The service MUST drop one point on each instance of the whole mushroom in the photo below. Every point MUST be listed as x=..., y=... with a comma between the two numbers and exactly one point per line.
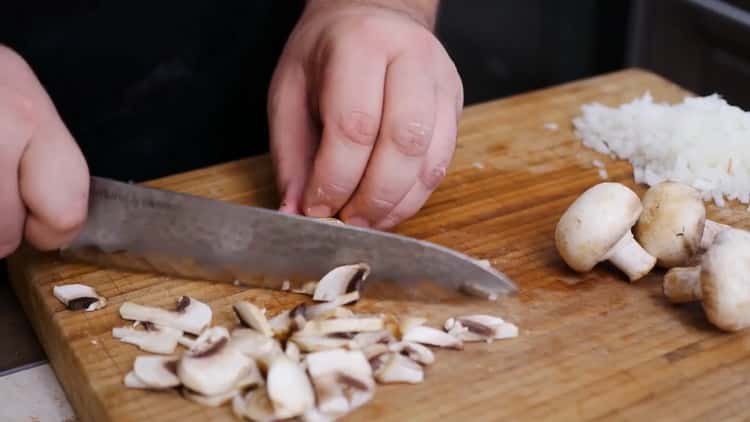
x=721, y=282
x=673, y=225
x=596, y=227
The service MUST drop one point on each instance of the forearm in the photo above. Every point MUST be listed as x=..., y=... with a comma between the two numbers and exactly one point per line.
x=423, y=11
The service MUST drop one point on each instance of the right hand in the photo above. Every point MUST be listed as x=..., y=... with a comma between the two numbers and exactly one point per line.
x=44, y=179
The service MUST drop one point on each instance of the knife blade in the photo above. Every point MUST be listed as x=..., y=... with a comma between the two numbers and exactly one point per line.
x=134, y=227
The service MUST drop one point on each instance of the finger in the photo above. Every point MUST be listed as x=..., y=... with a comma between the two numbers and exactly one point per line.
x=292, y=134
x=16, y=123
x=350, y=107
x=434, y=168
x=405, y=134
x=54, y=183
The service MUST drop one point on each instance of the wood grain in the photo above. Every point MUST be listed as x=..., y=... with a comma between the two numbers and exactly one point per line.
x=592, y=346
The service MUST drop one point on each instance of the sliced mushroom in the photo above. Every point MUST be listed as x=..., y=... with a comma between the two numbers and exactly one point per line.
x=79, y=297
x=414, y=351
x=343, y=380
x=153, y=338
x=255, y=345
x=210, y=401
x=214, y=367
x=292, y=351
x=433, y=337
x=354, y=324
x=398, y=368
x=255, y=405
x=253, y=317
x=331, y=309
x=374, y=350
x=316, y=343
x=156, y=372
x=289, y=388
x=315, y=415
x=281, y=324
x=341, y=280
x=132, y=381
x=480, y=328
x=408, y=323
x=190, y=316
x=369, y=338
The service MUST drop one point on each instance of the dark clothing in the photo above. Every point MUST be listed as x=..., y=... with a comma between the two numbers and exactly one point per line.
x=153, y=88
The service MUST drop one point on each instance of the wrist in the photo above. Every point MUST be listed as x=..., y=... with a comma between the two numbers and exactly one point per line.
x=422, y=11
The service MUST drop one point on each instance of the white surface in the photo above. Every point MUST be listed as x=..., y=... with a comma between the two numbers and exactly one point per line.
x=34, y=395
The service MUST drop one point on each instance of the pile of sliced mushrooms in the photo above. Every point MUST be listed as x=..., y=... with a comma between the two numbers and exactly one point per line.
x=318, y=361
x=705, y=260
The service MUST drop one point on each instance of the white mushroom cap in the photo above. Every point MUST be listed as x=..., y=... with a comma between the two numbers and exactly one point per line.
x=596, y=227
x=79, y=297
x=683, y=284
x=725, y=280
x=671, y=225
x=341, y=280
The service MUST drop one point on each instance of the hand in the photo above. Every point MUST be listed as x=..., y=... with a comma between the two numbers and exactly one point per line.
x=43, y=175
x=363, y=112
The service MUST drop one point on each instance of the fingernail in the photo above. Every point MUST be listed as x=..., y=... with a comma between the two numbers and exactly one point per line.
x=358, y=221
x=319, y=211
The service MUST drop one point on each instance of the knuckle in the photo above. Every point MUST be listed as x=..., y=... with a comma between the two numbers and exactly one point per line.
x=330, y=192
x=412, y=139
x=358, y=127
x=378, y=205
x=432, y=176
x=69, y=219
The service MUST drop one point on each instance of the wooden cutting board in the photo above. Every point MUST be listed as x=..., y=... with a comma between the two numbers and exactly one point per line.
x=591, y=346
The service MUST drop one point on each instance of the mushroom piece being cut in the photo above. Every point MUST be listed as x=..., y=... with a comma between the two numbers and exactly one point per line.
x=596, y=227
x=213, y=367
x=190, y=315
x=341, y=280
x=673, y=226
x=153, y=338
x=289, y=388
x=725, y=281
x=157, y=372
x=398, y=368
x=78, y=297
x=480, y=328
x=253, y=317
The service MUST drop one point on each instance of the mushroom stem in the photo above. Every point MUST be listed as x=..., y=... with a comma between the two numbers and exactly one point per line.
x=710, y=230
x=631, y=258
x=683, y=284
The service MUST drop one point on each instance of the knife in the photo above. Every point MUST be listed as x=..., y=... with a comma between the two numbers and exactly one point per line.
x=133, y=227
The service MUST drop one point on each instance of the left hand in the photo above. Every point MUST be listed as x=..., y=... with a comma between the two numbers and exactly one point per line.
x=363, y=111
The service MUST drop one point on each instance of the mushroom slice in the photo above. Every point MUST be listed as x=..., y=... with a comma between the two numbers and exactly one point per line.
x=211, y=401
x=78, y=297
x=281, y=325
x=683, y=284
x=156, y=372
x=315, y=343
x=253, y=317
x=255, y=405
x=414, y=351
x=190, y=316
x=292, y=351
x=398, y=368
x=154, y=338
x=369, y=338
x=315, y=415
x=213, y=367
x=374, y=350
x=354, y=324
x=132, y=381
x=341, y=280
x=408, y=323
x=480, y=328
x=433, y=337
x=342, y=378
x=289, y=388
x=331, y=309
x=255, y=345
